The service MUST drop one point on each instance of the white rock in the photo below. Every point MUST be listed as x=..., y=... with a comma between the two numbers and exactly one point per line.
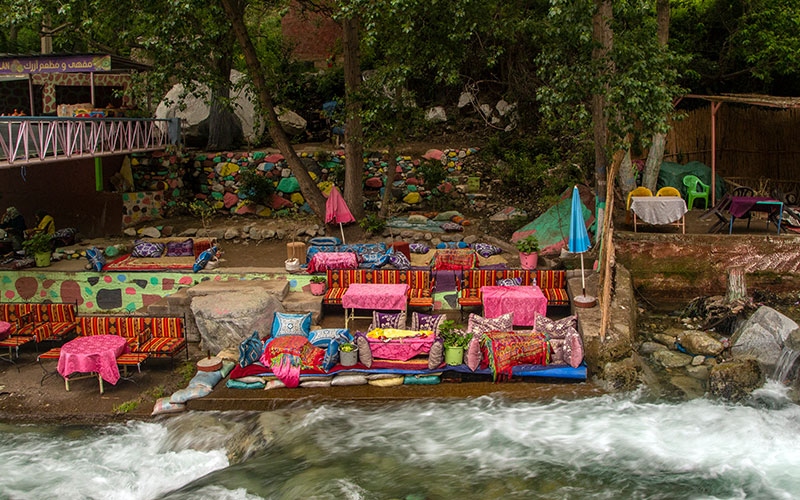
x=465, y=99
x=486, y=109
x=291, y=122
x=698, y=360
x=503, y=107
x=129, y=231
x=436, y=115
x=231, y=233
x=189, y=231
x=150, y=232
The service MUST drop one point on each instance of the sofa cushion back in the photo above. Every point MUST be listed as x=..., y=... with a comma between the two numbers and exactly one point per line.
x=130, y=327
x=96, y=325
x=551, y=279
x=342, y=278
x=54, y=313
x=419, y=280
x=165, y=327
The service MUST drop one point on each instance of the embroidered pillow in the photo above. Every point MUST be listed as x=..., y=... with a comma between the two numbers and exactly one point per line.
x=573, y=348
x=427, y=322
x=203, y=259
x=96, y=259
x=510, y=282
x=419, y=248
x=329, y=339
x=557, y=348
x=474, y=354
x=388, y=320
x=399, y=260
x=479, y=324
x=180, y=248
x=486, y=249
x=556, y=329
x=436, y=355
x=324, y=241
x=364, y=351
x=291, y=324
x=147, y=249
x=250, y=350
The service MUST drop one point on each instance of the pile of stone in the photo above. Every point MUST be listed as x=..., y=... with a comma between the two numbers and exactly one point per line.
x=159, y=171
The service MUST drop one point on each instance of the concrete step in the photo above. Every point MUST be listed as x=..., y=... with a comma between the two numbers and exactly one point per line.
x=277, y=287
x=180, y=298
x=304, y=302
x=159, y=308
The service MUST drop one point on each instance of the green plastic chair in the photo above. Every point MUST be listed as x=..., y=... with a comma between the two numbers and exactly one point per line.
x=695, y=189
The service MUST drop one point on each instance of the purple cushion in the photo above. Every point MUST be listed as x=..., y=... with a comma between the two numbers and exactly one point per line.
x=479, y=324
x=510, y=282
x=147, y=249
x=399, y=260
x=419, y=248
x=427, y=321
x=474, y=353
x=388, y=320
x=180, y=248
x=486, y=249
x=556, y=329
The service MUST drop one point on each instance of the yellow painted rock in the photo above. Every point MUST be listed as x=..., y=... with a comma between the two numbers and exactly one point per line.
x=266, y=212
x=297, y=198
x=412, y=198
x=228, y=169
x=313, y=176
x=325, y=187
x=219, y=205
x=134, y=161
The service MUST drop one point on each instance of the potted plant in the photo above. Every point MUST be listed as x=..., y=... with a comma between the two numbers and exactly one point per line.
x=348, y=354
x=317, y=285
x=528, y=252
x=39, y=247
x=455, y=341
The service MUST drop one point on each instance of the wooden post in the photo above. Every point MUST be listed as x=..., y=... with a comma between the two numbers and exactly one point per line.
x=714, y=108
x=737, y=288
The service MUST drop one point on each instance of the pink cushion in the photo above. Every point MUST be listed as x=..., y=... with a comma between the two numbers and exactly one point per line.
x=573, y=343
x=479, y=324
x=474, y=352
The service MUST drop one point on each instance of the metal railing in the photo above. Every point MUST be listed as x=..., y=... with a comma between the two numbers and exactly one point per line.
x=29, y=140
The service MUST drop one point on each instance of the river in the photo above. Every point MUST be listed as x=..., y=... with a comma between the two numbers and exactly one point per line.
x=610, y=446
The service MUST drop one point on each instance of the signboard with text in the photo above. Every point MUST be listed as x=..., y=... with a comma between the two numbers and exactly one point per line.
x=55, y=64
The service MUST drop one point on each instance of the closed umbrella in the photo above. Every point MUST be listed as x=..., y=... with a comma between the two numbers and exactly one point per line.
x=579, y=243
x=336, y=210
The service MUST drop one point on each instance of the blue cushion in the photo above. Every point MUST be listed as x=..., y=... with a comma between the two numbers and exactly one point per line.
x=452, y=244
x=330, y=339
x=96, y=259
x=324, y=240
x=291, y=324
x=203, y=259
x=250, y=350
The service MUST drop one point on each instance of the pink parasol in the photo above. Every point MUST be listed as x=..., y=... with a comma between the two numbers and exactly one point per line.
x=336, y=210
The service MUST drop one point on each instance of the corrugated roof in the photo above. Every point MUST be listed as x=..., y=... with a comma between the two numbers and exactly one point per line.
x=752, y=99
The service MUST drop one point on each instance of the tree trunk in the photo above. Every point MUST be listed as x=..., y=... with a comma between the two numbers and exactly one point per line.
x=46, y=38
x=387, y=187
x=224, y=130
x=353, y=134
x=737, y=288
x=13, y=35
x=603, y=36
x=656, y=153
x=627, y=179
x=310, y=191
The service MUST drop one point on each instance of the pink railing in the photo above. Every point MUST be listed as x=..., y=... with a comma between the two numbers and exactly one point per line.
x=26, y=140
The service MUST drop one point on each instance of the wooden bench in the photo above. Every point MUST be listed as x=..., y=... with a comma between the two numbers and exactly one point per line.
x=552, y=283
x=420, y=284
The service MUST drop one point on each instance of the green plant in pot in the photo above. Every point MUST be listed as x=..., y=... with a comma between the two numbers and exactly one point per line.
x=455, y=341
x=528, y=252
x=39, y=246
x=317, y=285
x=348, y=354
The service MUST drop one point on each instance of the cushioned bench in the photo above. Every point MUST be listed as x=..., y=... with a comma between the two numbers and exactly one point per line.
x=37, y=322
x=552, y=283
x=164, y=335
x=420, y=284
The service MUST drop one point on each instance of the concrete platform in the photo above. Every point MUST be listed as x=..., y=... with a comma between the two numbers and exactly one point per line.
x=224, y=399
x=277, y=287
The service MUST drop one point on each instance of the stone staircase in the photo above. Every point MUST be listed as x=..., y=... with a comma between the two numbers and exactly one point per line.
x=180, y=302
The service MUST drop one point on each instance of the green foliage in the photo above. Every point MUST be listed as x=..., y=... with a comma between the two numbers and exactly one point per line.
x=185, y=371
x=528, y=245
x=38, y=243
x=157, y=392
x=318, y=279
x=201, y=209
x=434, y=173
x=256, y=187
x=372, y=224
x=347, y=347
x=126, y=407
x=452, y=335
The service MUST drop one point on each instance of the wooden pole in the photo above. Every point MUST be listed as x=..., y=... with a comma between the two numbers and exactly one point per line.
x=714, y=108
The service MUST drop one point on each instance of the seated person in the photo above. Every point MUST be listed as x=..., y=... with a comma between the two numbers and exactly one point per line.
x=14, y=225
x=44, y=224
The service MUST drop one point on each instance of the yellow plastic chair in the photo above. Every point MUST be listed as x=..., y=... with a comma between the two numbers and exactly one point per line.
x=668, y=191
x=639, y=191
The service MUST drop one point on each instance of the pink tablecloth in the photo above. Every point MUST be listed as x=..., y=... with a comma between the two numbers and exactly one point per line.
x=369, y=296
x=400, y=349
x=97, y=353
x=523, y=301
x=323, y=261
x=5, y=330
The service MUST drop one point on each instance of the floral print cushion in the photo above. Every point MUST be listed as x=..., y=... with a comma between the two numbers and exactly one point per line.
x=479, y=324
x=556, y=329
x=180, y=248
x=486, y=249
x=147, y=249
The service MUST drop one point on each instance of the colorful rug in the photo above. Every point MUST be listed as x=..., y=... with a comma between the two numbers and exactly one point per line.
x=507, y=349
x=128, y=263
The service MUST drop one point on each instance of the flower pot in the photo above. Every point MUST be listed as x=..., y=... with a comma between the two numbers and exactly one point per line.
x=348, y=358
x=42, y=259
x=528, y=260
x=454, y=356
x=317, y=288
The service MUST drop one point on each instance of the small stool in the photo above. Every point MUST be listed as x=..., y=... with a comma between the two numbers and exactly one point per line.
x=296, y=250
x=402, y=247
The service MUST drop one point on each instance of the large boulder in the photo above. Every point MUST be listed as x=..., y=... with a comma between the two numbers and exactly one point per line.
x=697, y=342
x=225, y=319
x=735, y=380
x=762, y=337
x=291, y=122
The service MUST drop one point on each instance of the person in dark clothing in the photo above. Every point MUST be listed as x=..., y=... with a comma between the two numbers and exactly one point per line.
x=14, y=225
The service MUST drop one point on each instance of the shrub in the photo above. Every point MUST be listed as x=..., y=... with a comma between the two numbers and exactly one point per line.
x=256, y=187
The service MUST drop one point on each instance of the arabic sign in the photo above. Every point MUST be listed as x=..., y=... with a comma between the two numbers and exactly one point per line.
x=55, y=64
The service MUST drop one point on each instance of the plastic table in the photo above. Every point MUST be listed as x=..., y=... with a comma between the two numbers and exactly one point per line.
x=659, y=210
x=743, y=205
x=95, y=355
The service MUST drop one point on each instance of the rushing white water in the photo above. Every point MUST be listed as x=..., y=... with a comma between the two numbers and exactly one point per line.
x=602, y=447
x=785, y=363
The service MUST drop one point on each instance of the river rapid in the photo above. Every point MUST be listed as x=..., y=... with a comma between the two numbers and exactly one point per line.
x=611, y=446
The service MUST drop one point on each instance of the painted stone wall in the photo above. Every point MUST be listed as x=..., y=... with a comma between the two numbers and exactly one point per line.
x=141, y=207
x=98, y=293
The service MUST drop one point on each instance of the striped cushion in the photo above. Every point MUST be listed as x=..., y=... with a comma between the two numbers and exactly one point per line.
x=15, y=341
x=58, y=313
x=50, y=331
x=163, y=346
x=556, y=296
x=131, y=358
x=334, y=295
x=130, y=327
x=417, y=297
x=95, y=325
x=551, y=279
x=165, y=327
x=54, y=353
x=470, y=297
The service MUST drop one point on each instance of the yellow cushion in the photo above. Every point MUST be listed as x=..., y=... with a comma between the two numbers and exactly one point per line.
x=387, y=382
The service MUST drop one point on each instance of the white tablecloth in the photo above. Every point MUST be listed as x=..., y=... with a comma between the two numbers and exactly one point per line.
x=658, y=209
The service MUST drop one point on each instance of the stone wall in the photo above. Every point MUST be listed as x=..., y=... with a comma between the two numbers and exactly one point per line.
x=671, y=269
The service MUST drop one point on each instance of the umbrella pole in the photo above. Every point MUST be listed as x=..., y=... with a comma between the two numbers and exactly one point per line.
x=583, y=280
x=341, y=228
